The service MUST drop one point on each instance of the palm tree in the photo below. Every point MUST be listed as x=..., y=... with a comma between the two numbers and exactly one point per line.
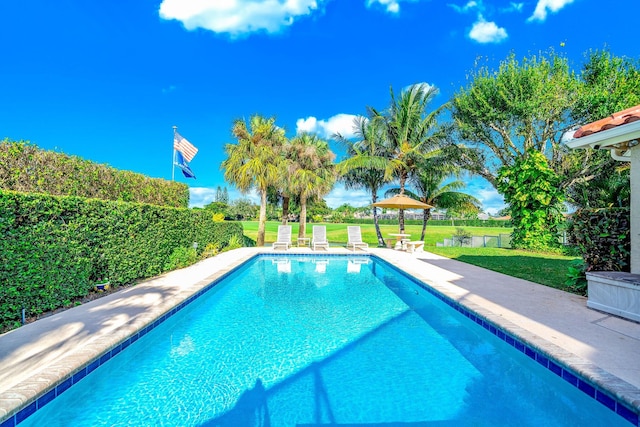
x=311, y=172
x=410, y=133
x=432, y=189
x=255, y=161
x=367, y=163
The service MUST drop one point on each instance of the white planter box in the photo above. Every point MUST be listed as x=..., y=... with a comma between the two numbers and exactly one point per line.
x=615, y=292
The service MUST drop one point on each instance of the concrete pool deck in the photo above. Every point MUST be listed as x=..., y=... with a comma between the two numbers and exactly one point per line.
x=602, y=347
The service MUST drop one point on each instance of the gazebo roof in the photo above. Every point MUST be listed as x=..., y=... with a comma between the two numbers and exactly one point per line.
x=618, y=133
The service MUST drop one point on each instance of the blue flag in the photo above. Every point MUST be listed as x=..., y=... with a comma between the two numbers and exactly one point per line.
x=184, y=166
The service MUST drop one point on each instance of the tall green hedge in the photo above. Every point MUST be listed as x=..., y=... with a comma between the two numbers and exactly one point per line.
x=25, y=167
x=603, y=238
x=55, y=248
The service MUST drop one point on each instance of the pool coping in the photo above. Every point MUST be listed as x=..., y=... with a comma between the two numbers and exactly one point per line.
x=24, y=398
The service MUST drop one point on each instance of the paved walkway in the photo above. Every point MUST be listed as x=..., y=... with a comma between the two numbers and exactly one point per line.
x=602, y=347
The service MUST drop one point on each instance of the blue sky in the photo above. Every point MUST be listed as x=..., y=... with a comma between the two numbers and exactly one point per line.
x=106, y=81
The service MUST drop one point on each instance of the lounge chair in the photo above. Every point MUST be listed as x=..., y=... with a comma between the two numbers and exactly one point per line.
x=353, y=265
x=321, y=265
x=283, y=265
x=354, y=236
x=319, y=239
x=284, y=237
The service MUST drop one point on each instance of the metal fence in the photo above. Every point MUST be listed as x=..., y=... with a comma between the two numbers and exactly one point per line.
x=499, y=241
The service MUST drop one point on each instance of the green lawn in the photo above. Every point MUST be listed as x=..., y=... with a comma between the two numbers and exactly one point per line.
x=546, y=269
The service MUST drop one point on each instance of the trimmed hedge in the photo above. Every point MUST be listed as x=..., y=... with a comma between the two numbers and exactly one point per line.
x=603, y=238
x=435, y=222
x=25, y=167
x=56, y=248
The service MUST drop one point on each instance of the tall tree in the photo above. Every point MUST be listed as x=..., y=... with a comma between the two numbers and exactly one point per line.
x=512, y=113
x=410, y=132
x=311, y=171
x=366, y=162
x=521, y=106
x=256, y=161
x=608, y=84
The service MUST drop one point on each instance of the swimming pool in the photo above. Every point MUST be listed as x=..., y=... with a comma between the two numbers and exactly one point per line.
x=287, y=340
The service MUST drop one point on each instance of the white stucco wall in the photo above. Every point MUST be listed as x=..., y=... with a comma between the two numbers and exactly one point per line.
x=635, y=209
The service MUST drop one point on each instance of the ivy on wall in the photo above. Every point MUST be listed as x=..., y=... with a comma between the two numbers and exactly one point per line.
x=603, y=237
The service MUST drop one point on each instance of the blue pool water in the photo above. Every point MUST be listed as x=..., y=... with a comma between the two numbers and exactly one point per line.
x=303, y=341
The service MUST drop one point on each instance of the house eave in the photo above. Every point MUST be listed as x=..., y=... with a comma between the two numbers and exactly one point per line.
x=618, y=139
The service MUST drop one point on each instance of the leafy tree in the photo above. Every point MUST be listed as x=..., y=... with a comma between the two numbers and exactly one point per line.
x=505, y=115
x=366, y=162
x=243, y=209
x=255, y=161
x=222, y=195
x=531, y=188
x=520, y=107
x=218, y=208
x=311, y=172
x=609, y=187
x=608, y=84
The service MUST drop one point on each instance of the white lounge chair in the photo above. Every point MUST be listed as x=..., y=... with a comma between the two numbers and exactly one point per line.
x=353, y=265
x=354, y=238
x=321, y=265
x=283, y=265
x=284, y=237
x=319, y=239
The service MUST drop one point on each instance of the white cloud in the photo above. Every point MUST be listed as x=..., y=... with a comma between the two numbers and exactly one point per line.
x=487, y=32
x=513, y=7
x=391, y=6
x=339, y=196
x=201, y=196
x=491, y=200
x=544, y=6
x=425, y=87
x=471, y=5
x=340, y=123
x=237, y=17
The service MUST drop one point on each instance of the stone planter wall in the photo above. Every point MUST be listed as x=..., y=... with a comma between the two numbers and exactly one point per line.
x=615, y=292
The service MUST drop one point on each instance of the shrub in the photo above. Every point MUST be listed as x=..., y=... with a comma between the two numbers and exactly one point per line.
x=576, y=278
x=26, y=168
x=181, y=257
x=54, y=249
x=602, y=236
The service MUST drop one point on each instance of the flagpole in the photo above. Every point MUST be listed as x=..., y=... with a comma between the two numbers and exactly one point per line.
x=173, y=160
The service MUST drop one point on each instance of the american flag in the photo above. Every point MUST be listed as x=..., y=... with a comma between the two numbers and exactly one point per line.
x=187, y=149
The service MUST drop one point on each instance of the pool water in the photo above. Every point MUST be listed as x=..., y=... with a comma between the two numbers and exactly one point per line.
x=290, y=341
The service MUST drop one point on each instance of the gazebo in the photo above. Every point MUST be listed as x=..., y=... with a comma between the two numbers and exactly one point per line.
x=616, y=292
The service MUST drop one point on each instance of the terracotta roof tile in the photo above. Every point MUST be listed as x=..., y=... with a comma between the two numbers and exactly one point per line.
x=616, y=119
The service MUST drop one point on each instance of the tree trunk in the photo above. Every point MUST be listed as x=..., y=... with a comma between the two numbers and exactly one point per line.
x=403, y=179
x=303, y=216
x=263, y=217
x=426, y=215
x=285, y=210
x=374, y=198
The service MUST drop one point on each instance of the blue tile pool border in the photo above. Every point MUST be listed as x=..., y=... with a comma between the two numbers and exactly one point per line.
x=43, y=399
x=601, y=395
